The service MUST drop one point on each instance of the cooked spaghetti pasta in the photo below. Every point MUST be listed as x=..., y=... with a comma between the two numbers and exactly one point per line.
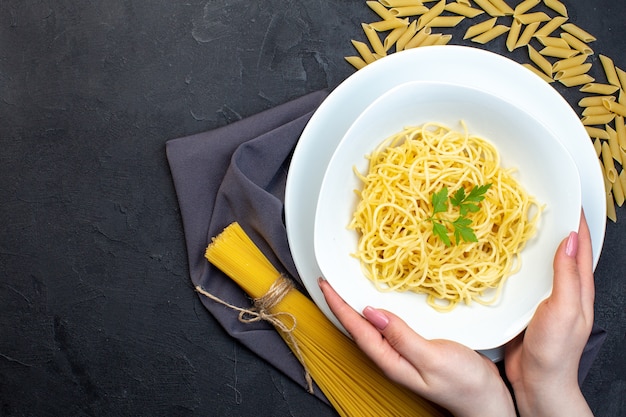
x=398, y=249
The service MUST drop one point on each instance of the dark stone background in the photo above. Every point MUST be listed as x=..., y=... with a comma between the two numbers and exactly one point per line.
x=97, y=312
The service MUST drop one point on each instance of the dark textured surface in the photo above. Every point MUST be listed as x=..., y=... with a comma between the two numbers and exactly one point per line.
x=97, y=312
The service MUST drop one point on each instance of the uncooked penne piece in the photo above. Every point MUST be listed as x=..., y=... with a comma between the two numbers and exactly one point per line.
x=491, y=34
x=464, y=2
x=614, y=144
x=445, y=21
x=576, y=80
x=609, y=165
x=622, y=179
x=578, y=32
x=380, y=10
x=527, y=34
x=513, y=35
x=463, y=10
x=551, y=26
x=418, y=39
x=525, y=6
x=621, y=76
x=592, y=101
x=569, y=62
x=410, y=31
x=553, y=41
x=400, y=3
x=599, y=119
x=434, y=11
x=555, y=52
x=618, y=192
x=436, y=39
x=609, y=70
x=356, y=61
x=408, y=11
x=374, y=39
x=529, y=18
x=595, y=110
x=614, y=107
x=478, y=28
x=538, y=72
x=503, y=7
x=389, y=24
x=599, y=88
x=540, y=61
x=597, y=146
x=557, y=6
x=620, y=130
x=576, y=43
x=596, y=132
x=393, y=37
x=364, y=51
x=489, y=7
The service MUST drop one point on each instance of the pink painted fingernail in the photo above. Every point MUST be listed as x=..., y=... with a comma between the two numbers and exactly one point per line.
x=571, y=247
x=376, y=317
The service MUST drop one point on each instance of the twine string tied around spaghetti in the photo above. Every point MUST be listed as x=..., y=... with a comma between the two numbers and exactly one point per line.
x=261, y=311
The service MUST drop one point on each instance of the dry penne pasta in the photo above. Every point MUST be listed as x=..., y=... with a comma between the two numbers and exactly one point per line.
x=550, y=26
x=594, y=110
x=389, y=24
x=610, y=202
x=599, y=88
x=569, y=62
x=621, y=76
x=464, y=2
x=400, y=3
x=503, y=7
x=364, y=51
x=436, y=39
x=553, y=41
x=598, y=119
x=410, y=31
x=445, y=21
x=489, y=8
x=393, y=37
x=491, y=34
x=615, y=107
x=596, y=132
x=622, y=179
x=572, y=71
x=609, y=70
x=578, y=32
x=620, y=130
x=609, y=165
x=597, y=146
x=356, y=61
x=478, y=28
x=380, y=10
x=618, y=192
x=513, y=35
x=525, y=6
x=557, y=6
x=556, y=52
x=614, y=144
x=576, y=80
x=540, y=61
x=463, y=9
x=418, y=39
x=408, y=11
x=434, y=11
x=592, y=101
x=576, y=43
x=529, y=18
x=527, y=34
x=539, y=73
x=374, y=39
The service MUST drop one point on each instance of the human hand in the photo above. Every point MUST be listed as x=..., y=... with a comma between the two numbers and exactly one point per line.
x=445, y=372
x=542, y=363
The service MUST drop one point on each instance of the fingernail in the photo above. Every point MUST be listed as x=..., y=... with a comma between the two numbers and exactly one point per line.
x=571, y=248
x=376, y=317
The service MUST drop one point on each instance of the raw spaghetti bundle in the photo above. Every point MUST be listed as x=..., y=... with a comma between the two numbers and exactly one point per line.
x=398, y=247
x=351, y=382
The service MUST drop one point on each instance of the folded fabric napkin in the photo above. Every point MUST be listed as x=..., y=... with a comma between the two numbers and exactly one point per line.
x=238, y=173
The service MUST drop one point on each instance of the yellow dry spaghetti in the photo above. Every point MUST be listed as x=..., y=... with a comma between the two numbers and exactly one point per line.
x=397, y=248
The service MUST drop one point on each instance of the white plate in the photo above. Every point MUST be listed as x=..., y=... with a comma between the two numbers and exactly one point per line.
x=467, y=66
x=543, y=167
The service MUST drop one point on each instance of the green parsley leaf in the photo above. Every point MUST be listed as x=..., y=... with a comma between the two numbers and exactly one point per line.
x=440, y=201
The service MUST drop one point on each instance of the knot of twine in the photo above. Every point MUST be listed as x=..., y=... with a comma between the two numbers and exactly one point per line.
x=261, y=311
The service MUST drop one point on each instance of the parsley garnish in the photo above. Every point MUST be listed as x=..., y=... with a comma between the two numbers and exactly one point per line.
x=466, y=203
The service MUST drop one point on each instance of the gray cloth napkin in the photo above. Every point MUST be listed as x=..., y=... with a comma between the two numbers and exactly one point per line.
x=238, y=173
